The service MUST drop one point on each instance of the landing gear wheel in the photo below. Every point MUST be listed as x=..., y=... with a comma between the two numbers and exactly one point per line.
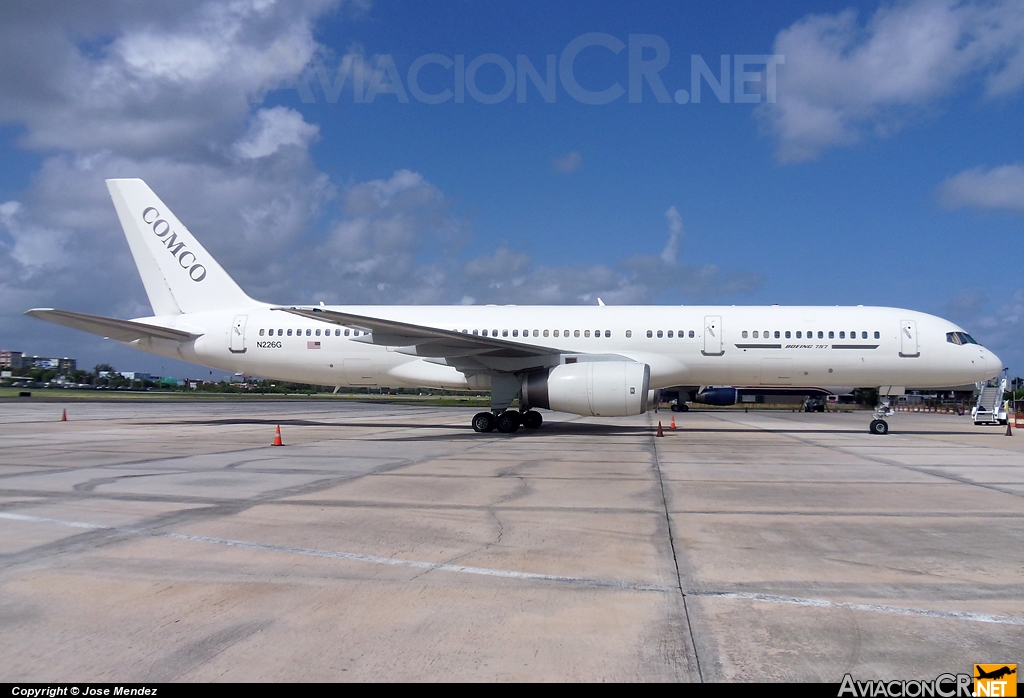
x=483, y=421
x=532, y=419
x=879, y=426
x=508, y=422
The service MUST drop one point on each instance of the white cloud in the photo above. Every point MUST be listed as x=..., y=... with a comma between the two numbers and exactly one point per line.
x=143, y=78
x=670, y=255
x=998, y=188
x=842, y=80
x=568, y=163
x=273, y=129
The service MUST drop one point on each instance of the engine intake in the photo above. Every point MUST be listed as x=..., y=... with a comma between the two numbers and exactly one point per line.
x=590, y=388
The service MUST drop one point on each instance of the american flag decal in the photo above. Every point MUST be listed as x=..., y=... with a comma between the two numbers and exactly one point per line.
x=312, y=345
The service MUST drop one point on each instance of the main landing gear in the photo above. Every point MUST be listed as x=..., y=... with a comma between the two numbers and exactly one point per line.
x=878, y=424
x=506, y=421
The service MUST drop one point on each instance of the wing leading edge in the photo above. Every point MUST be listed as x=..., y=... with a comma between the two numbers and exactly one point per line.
x=419, y=340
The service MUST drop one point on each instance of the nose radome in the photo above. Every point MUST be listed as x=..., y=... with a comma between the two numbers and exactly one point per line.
x=991, y=362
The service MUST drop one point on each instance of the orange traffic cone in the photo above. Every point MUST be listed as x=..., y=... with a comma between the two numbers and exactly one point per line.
x=64, y=416
x=660, y=432
x=1009, y=431
x=673, y=424
x=277, y=437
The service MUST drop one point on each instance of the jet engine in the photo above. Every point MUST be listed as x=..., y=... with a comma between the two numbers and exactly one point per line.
x=591, y=388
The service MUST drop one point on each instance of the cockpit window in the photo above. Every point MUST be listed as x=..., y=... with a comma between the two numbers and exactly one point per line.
x=960, y=338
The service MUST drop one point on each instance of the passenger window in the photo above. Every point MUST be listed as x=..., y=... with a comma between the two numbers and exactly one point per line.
x=660, y=334
x=597, y=333
x=476, y=332
x=877, y=335
x=776, y=334
x=863, y=335
x=289, y=333
x=280, y=333
x=821, y=335
x=555, y=333
x=536, y=333
x=607, y=333
x=261, y=333
x=504, y=333
x=842, y=335
x=318, y=333
x=755, y=334
x=545, y=333
x=798, y=335
x=744, y=334
x=691, y=334
x=337, y=333
x=515, y=333
x=670, y=335
x=586, y=333
x=831, y=334
x=650, y=334
x=788, y=336
x=309, y=333
x=629, y=333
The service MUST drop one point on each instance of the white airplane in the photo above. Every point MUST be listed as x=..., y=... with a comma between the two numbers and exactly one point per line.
x=592, y=361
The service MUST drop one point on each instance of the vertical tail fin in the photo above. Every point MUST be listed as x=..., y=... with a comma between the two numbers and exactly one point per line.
x=180, y=276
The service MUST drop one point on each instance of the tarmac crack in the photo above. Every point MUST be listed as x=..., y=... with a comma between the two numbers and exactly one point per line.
x=675, y=556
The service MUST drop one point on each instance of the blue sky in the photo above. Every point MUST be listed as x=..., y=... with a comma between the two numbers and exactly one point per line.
x=887, y=170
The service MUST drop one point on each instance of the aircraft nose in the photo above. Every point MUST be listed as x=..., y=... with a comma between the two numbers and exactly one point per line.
x=992, y=363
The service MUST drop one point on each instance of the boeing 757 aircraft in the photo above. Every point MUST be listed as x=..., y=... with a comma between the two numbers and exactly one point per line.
x=592, y=361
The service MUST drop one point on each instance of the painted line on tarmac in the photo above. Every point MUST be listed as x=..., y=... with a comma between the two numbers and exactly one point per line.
x=875, y=608
x=357, y=557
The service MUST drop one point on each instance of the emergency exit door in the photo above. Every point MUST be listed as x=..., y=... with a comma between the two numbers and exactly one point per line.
x=713, y=336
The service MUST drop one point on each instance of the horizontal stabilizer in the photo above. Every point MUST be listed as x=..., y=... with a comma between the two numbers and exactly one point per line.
x=121, y=330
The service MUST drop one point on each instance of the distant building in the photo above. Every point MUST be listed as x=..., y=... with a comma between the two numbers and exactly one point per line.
x=10, y=359
x=63, y=365
x=136, y=376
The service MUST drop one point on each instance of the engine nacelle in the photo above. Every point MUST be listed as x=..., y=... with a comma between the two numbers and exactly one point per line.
x=723, y=397
x=590, y=388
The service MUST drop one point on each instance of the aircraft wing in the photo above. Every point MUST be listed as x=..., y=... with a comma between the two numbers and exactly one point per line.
x=418, y=340
x=121, y=330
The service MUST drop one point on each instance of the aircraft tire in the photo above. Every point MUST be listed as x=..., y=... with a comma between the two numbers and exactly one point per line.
x=507, y=422
x=483, y=422
x=532, y=419
x=879, y=426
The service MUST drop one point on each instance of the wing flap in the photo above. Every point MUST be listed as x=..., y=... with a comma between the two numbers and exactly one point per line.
x=121, y=330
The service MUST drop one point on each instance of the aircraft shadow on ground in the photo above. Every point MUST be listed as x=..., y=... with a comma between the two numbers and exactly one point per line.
x=548, y=430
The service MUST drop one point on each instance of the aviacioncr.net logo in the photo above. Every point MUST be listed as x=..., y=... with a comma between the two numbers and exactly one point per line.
x=942, y=686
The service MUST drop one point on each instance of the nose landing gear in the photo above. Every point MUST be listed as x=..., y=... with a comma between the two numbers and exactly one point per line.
x=878, y=425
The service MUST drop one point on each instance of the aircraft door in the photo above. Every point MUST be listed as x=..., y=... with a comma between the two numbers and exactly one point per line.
x=358, y=372
x=713, y=345
x=236, y=344
x=908, y=339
